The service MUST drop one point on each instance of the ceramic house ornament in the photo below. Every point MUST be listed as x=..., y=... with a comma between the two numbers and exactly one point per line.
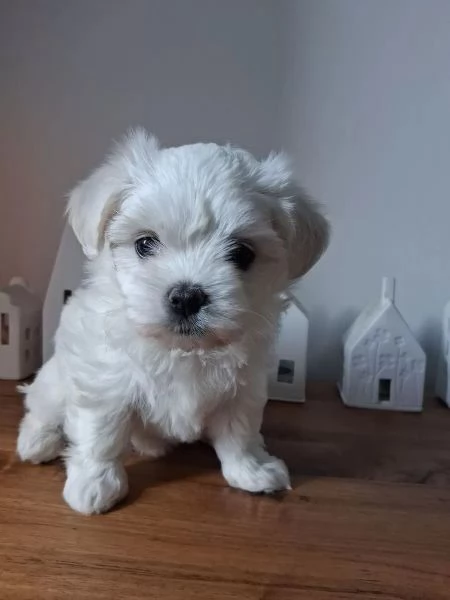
x=20, y=331
x=287, y=375
x=66, y=276
x=384, y=365
x=443, y=377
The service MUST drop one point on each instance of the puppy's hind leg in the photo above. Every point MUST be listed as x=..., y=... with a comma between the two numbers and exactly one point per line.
x=146, y=440
x=40, y=433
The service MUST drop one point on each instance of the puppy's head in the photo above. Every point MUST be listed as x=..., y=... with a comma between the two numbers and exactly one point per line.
x=202, y=237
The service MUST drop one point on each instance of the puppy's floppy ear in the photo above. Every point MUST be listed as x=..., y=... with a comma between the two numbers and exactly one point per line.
x=94, y=201
x=296, y=217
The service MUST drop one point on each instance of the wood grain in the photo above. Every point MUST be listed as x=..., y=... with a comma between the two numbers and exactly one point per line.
x=369, y=517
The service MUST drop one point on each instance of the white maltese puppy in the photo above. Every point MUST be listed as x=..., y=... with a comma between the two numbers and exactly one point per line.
x=168, y=339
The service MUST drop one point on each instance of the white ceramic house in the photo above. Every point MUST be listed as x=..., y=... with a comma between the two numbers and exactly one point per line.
x=443, y=377
x=384, y=365
x=66, y=276
x=20, y=331
x=287, y=375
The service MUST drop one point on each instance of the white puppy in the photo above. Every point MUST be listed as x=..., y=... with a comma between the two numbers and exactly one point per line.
x=189, y=250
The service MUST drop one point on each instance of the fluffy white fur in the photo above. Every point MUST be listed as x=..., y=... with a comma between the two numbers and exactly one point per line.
x=119, y=373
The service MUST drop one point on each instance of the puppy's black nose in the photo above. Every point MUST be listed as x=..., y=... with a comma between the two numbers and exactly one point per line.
x=186, y=299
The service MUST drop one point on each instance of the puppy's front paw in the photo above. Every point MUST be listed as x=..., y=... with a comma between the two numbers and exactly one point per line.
x=257, y=474
x=93, y=488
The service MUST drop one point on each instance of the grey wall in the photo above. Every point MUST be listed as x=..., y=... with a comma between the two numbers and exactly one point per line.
x=77, y=74
x=367, y=119
x=357, y=90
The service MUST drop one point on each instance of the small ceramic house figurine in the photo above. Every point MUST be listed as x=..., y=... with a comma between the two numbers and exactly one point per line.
x=443, y=377
x=384, y=366
x=67, y=275
x=288, y=373
x=20, y=331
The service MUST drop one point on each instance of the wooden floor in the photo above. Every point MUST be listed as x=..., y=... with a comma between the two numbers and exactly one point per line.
x=369, y=517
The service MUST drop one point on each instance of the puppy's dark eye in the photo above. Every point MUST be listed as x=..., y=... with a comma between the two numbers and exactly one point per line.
x=147, y=245
x=241, y=254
